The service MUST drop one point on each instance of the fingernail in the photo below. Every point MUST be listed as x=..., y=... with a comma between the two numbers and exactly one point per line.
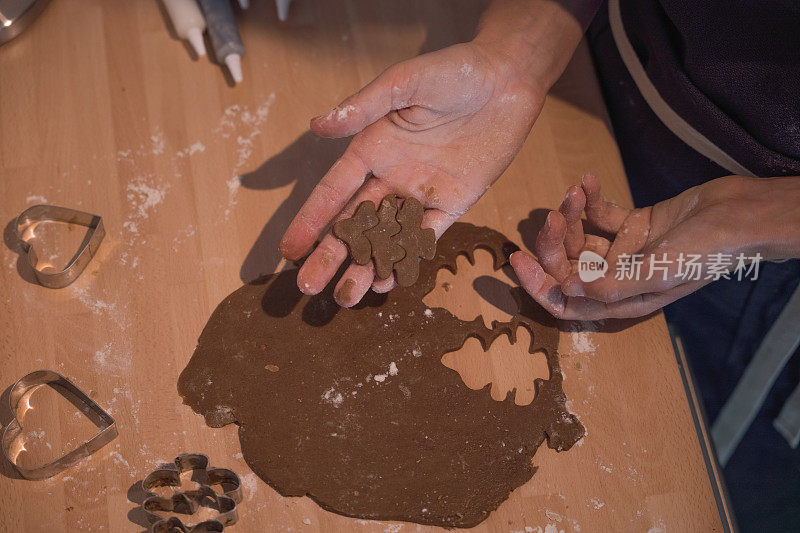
x=325, y=116
x=516, y=257
x=345, y=293
x=305, y=288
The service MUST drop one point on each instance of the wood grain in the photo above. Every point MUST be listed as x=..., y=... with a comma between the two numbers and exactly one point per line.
x=102, y=110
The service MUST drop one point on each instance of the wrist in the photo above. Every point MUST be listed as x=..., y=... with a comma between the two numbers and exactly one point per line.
x=767, y=213
x=532, y=41
x=778, y=206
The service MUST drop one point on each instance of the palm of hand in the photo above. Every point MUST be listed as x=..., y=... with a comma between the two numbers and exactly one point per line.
x=453, y=140
x=440, y=128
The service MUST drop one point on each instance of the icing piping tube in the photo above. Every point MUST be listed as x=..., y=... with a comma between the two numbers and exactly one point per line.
x=225, y=38
x=283, y=9
x=188, y=22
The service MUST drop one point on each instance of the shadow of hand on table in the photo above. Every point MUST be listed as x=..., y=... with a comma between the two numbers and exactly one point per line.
x=301, y=165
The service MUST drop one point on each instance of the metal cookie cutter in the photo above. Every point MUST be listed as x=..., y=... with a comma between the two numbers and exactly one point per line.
x=40, y=213
x=188, y=502
x=19, y=397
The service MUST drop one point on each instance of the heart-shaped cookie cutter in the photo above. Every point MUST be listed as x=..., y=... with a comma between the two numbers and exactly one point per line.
x=89, y=246
x=21, y=391
x=187, y=502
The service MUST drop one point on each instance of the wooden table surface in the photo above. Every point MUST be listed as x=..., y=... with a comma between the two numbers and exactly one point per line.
x=102, y=110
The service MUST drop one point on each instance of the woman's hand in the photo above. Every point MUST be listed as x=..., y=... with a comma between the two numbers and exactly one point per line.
x=727, y=222
x=441, y=127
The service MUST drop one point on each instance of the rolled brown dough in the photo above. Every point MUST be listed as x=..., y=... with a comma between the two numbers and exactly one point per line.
x=354, y=408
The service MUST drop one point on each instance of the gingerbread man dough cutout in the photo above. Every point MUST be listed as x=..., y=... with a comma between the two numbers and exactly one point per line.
x=416, y=241
x=385, y=252
x=353, y=232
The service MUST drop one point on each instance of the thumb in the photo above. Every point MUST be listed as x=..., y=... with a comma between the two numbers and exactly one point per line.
x=389, y=91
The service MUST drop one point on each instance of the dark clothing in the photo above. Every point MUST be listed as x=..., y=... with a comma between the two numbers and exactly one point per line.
x=722, y=324
x=729, y=68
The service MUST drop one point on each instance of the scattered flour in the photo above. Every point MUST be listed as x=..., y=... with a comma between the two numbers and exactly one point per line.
x=597, y=504
x=549, y=528
x=158, y=142
x=131, y=226
x=118, y=459
x=100, y=307
x=580, y=335
x=344, y=112
x=252, y=122
x=380, y=378
x=145, y=197
x=191, y=150
x=36, y=198
x=250, y=484
x=110, y=360
x=332, y=397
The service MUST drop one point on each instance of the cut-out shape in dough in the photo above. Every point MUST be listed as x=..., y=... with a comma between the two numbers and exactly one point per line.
x=507, y=366
x=363, y=416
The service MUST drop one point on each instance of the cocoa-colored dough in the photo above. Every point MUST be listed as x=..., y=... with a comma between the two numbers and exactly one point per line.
x=416, y=241
x=354, y=408
x=351, y=231
x=385, y=252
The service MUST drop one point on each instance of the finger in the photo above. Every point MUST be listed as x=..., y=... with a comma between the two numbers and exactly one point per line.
x=644, y=304
x=572, y=209
x=597, y=244
x=323, y=263
x=435, y=219
x=536, y=282
x=391, y=90
x=605, y=215
x=327, y=199
x=545, y=290
x=354, y=284
x=550, y=249
x=623, y=257
x=641, y=274
x=633, y=307
x=381, y=286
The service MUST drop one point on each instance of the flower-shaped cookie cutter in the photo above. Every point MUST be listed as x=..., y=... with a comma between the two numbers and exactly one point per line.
x=18, y=398
x=187, y=502
x=54, y=213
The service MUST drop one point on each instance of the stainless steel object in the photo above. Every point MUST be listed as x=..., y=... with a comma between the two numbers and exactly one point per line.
x=13, y=437
x=16, y=15
x=188, y=502
x=41, y=213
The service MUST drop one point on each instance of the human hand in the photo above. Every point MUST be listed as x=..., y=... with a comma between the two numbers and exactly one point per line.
x=735, y=217
x=441, y=128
